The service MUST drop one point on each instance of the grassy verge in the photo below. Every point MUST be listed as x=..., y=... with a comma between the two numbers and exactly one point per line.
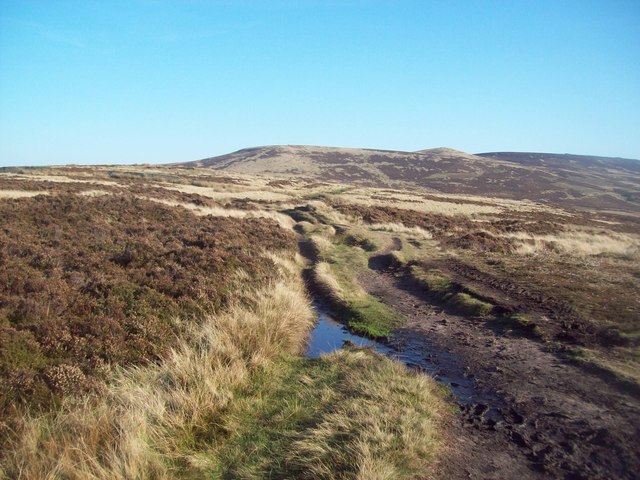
x=521, y=322
x=351, y=414
x=335, y=276
x=448, y=292
x=619, y=366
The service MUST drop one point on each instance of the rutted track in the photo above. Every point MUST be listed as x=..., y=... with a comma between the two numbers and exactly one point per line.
x=558, y=421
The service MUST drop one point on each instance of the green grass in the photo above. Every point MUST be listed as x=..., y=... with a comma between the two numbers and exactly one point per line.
x=521, y=322
x=371, y=317
x=443, y=288
x=468, y=305
x=363, y=313
x=360, y=239
x=351, y=414
x=623, y=372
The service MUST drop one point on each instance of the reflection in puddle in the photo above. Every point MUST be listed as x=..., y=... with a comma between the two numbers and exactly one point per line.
x=330, y=335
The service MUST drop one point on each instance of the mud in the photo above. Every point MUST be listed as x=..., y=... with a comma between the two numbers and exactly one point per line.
x=540, y=417
x=564, y=323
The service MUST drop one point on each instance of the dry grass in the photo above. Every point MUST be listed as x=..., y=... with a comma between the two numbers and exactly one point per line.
x=320, y=244
x=147, y=416
x=308, y=228
x=328, y=284
x=231, y=193
x=383, y=424
x=20, y=193
x=94, y=193
x=578, y=243
x=283, y=220
x=58, y=179
x=400, y=228
x=418, y=204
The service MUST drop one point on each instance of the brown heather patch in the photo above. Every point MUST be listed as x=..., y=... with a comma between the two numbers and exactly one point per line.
x=136, y=186
x=35, y=184
x=452, y=231
x=479, y=241
x=431, y=222
x=86, y=282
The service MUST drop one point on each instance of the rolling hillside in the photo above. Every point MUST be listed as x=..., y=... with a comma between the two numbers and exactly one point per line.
x=570, y=180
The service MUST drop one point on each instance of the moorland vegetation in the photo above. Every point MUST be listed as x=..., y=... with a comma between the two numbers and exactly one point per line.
x=153, y=320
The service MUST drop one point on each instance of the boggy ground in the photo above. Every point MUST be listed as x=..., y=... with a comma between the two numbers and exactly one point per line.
x=558, y=421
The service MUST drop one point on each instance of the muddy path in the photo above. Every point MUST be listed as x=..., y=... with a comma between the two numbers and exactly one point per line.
x=540, y=417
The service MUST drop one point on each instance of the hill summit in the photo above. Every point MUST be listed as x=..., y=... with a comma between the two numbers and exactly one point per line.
x=570, y=180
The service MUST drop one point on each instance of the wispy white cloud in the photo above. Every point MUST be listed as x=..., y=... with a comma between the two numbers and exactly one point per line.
x=66, y=37
x=177, y=36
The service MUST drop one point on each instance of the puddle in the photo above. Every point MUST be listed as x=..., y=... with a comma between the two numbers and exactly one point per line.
x=329, y=335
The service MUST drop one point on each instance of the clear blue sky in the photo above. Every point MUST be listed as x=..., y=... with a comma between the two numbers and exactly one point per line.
x=152, y=81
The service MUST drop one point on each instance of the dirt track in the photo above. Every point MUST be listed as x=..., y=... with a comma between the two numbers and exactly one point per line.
x=540, y=417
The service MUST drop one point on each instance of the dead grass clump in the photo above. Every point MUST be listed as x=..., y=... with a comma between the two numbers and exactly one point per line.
x=328, y=284
x=579, y=243
x=423, y=204
x=283, y=220
x=433, y=223
x=400, y=228
x=20, y=193
x=265, y=194
x=320, y=245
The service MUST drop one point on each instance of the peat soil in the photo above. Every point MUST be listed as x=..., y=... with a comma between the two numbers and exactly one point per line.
x=540, y=416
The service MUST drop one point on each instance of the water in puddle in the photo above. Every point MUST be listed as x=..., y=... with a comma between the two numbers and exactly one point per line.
x=330, y=335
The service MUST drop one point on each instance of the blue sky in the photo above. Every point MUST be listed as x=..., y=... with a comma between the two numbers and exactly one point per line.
x=152, y=81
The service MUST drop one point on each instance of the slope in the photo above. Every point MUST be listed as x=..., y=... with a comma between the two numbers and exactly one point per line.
x=568, y=180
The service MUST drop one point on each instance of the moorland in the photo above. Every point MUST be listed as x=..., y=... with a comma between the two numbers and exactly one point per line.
x=154, y=319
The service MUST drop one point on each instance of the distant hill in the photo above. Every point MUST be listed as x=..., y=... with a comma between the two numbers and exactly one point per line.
x=571, y=180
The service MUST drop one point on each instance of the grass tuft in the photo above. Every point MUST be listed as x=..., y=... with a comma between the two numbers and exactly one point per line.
x=443, y=288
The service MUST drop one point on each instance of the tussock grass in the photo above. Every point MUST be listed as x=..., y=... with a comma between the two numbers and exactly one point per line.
x=57, y=178
x=335, y=277
x=307, y=228
x=361, y=237
x=20, y=193
x=230, y=193
x=320, y=245
x=578, y=243
x=448, y=292
x=418, y=204
x=382, y=426
x=145, y=423
x=349, y=415
x=326, y=281
x=444, y=204
x=400, y=228
x=283, y=220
